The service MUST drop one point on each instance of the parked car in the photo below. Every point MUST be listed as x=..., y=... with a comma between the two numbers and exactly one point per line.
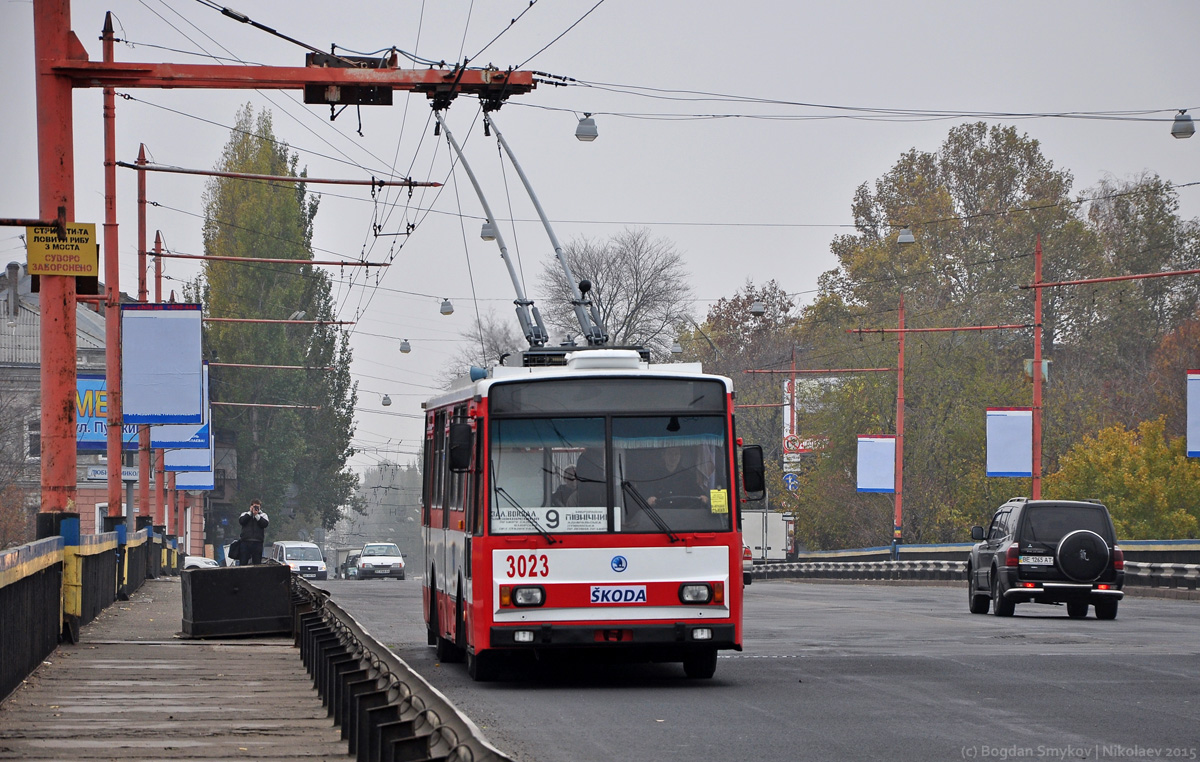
x=199, y=562
x=380, y=559
x=350, y=568
x=1047, y=551
x=305, y=558
x=747, y=564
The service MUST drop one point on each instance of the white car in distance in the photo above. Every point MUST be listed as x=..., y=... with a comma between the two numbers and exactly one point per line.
x=380, y=559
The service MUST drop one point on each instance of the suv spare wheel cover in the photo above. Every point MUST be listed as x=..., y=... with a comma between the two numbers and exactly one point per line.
x=1082, y=555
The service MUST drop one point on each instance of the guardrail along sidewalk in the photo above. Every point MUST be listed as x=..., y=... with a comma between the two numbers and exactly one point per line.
x=132, y=689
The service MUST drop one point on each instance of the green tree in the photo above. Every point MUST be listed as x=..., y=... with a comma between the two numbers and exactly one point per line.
x=1178, y=352
x=294, y=458
x=971, y=252
x=733, y=340
x=977, y=205
x=1144, y=477
x=1121, y=326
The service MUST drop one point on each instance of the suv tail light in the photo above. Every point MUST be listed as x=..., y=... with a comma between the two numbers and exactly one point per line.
x=1012, y=557
x=1118, y=558
x=746, y=555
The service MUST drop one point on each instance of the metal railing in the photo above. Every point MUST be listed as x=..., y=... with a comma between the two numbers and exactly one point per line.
x=52, y=587
x=384, y=708
x=1151, y=575
x=30, y=598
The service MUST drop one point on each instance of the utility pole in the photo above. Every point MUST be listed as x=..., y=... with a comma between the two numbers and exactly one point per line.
x=1037, y=370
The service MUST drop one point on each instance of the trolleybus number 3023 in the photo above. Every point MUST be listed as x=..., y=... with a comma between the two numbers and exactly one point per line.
x=531, y=565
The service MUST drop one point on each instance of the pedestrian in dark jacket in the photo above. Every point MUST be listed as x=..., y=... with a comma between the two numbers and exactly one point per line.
x=254, y=529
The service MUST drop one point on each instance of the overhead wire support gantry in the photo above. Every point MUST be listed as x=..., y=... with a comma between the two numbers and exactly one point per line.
x=61, y=65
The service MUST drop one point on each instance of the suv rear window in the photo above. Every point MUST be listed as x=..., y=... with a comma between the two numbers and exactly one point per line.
x=1048, y=523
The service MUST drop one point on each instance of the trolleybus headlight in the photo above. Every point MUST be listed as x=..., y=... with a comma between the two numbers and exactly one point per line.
x=695, y=593
x=528, y=596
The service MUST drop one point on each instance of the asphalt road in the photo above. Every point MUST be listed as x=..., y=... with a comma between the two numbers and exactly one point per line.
x=846, y=672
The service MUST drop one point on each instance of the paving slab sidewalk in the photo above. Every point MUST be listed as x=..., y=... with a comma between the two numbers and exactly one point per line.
x=134, y=689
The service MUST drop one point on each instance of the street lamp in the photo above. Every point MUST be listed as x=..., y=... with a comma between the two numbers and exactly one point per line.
x=905, y=237
x=387, y=400
x=1182, y=127
x=488, y=232
x=405, y=347
x=447, y=308
x=676, y=349
x=758, y=309
x=586, y=129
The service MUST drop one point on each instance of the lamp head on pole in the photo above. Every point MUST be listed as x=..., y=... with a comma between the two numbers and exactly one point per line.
x=906, y=236
x=447, y=308
x=586, y=129
x=1182, y=127
x=676, y=349
x=405, y=347
x=387, y=400
x=488, y=231
x=758, y=309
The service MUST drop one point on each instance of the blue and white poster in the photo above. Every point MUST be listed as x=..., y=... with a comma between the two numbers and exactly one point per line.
x=161, y=363
x=1193, y=413
x=170, y=436
x=877, y=464
x=189, y=458
x=199, y=480
x=1010, y=441
x=91, y=416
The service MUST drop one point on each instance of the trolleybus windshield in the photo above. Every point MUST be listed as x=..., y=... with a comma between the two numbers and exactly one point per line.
x=637, y=456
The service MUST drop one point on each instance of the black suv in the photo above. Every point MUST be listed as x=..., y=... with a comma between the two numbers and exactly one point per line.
x=1047, y=551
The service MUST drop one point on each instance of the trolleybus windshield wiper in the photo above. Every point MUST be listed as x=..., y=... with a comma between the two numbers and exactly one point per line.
x=632, y=491
x=525, y=515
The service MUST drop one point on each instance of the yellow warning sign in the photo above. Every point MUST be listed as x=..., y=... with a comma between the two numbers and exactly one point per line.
x=50, y=255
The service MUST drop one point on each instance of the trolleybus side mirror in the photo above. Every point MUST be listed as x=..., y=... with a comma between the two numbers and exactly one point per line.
x=753, y=472
x=460, y=446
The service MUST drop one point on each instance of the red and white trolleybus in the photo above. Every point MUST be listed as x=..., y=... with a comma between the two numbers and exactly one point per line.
x=586, y=502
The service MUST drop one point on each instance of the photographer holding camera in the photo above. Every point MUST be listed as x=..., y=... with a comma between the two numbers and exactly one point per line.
x=254, y=529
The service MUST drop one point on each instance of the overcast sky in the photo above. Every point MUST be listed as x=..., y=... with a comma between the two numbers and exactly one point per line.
x=740, y=197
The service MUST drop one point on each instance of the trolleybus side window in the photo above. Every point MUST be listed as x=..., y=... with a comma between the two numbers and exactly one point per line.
x=437, y=471
x=427, y=477
x=456, y=481
x=476, y=499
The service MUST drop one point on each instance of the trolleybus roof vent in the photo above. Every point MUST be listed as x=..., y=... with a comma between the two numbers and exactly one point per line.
x=541, y=357
x=605, y=359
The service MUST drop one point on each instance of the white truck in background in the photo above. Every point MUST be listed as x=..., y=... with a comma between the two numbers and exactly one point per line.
x=766, y=534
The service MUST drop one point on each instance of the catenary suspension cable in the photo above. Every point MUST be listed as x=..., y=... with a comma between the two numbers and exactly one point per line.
x=559, y=37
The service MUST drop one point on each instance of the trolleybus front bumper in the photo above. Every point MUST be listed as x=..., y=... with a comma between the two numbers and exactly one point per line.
x=721, y=636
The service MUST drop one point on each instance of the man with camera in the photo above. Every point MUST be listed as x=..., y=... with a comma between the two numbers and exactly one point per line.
x=254, y=529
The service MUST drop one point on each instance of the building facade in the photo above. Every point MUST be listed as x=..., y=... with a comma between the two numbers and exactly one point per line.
x=20, y=418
